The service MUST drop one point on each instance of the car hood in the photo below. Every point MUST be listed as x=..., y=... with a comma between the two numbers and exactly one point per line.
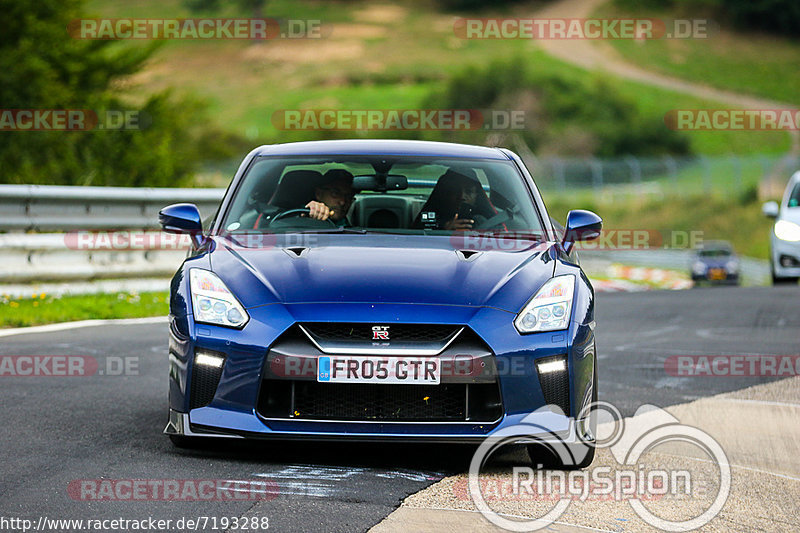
x=716, y=262
x=382, y=269
x=792, y=214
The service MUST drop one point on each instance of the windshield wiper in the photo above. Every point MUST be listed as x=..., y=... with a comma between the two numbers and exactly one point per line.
x=522, y=235
x=332, y=230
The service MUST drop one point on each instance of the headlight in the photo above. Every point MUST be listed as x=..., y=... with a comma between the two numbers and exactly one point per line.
x=732, y=266
x=212, y=302
x=699, y=268
x=787, y=231
x=550, y=309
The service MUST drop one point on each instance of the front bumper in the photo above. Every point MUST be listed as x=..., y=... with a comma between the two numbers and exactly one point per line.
x=544, y=427
x=785, y=252
x=232, y=409
x=726, y=277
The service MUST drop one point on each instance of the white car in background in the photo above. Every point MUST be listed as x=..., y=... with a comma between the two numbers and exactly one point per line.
x=784, y=254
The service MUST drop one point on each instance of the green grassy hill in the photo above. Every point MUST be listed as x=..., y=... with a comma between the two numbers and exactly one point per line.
x=756, y=64
x=388, y=56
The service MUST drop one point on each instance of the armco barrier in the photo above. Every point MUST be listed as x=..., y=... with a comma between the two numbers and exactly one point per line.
x=65, y=208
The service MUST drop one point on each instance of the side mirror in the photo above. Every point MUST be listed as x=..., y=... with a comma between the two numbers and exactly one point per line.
x=182, y=218
x=770, y=209
x=582, y=226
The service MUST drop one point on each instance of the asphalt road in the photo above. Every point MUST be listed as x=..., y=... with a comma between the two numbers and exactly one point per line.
x=60, y=430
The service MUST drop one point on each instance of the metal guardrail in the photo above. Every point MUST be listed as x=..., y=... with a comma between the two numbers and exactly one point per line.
x=65, y=208
x=32, y=257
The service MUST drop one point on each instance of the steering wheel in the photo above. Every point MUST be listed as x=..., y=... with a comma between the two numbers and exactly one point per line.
x=500, y=218
x=297, y=213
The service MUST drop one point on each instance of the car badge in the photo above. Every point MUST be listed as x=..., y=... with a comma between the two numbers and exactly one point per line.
x=380, y=333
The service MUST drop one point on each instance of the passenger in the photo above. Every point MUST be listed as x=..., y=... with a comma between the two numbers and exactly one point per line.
x=454, y=192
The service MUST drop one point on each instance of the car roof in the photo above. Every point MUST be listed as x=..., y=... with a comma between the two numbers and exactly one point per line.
x=716, y=245
x=382, y=147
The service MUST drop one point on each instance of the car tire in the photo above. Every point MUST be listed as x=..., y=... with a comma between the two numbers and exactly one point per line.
x=776, y=280
x=544, y=455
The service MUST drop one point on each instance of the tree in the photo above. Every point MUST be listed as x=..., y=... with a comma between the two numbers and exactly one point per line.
x=42, y=67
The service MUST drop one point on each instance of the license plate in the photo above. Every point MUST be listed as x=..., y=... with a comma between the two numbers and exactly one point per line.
x=716, y=273
x=363, y=369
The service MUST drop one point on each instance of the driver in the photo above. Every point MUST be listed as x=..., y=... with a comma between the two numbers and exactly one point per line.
x=333, y=197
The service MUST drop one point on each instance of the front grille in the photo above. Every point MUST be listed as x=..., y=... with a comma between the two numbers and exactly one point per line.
x=337, y=331
x=366, y=401
x=290, y=390
x=555, y=385
x=205, y=380
x=382, y=402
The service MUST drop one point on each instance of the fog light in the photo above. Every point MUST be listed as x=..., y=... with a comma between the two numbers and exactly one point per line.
x=207, y=359
x=557, y=365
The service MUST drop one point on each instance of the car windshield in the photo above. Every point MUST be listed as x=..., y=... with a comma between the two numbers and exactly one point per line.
x=405, y=195
x=715, y=253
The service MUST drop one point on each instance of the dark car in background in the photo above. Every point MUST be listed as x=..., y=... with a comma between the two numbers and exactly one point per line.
x=715, y=262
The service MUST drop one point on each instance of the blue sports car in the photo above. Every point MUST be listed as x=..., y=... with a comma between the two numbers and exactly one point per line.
x=376, y=289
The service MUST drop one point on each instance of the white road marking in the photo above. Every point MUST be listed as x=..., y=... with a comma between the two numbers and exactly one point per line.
x=61, y=326
x=321, y=481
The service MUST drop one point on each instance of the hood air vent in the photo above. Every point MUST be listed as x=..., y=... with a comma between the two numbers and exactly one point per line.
x=467, y=255
x=296, y=251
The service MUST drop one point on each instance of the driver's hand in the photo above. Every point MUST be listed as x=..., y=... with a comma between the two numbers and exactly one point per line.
x=319, y=210
x=459, y=224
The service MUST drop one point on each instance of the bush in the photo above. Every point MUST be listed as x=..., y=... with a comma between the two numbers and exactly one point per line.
x=41, y=67
x=563, y=115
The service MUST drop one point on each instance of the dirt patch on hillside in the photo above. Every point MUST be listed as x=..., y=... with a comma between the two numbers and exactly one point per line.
x=305, y=51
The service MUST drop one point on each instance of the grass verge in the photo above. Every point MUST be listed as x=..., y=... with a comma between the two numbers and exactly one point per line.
x=739, y=222
x=45, y=309
x=756, y=64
